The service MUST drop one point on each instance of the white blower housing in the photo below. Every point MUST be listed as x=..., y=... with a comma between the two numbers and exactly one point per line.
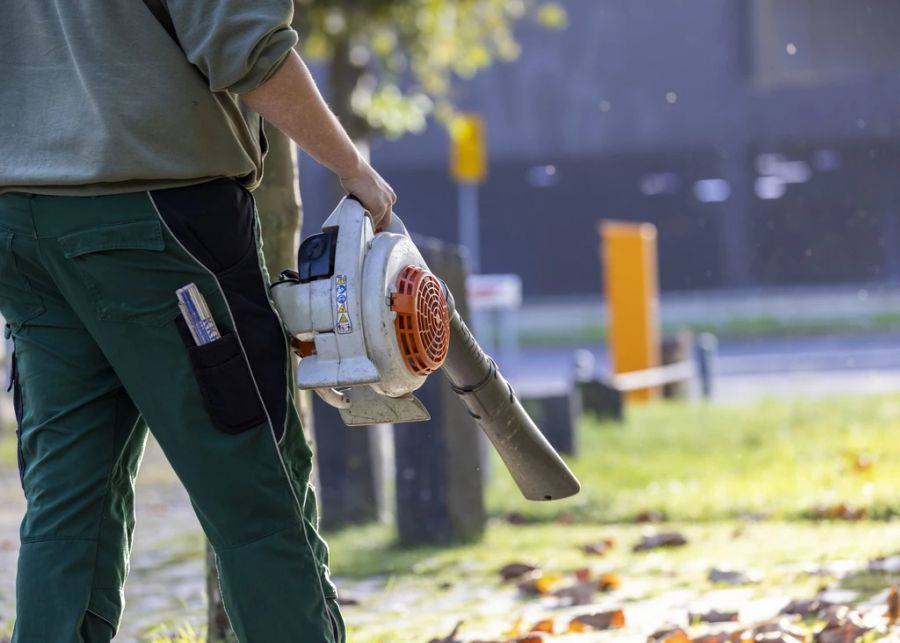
x=379, y=347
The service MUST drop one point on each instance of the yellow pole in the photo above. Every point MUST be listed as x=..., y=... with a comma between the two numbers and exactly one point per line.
x=632, y=299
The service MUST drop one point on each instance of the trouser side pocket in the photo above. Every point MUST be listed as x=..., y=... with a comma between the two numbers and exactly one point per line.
x=225, y=381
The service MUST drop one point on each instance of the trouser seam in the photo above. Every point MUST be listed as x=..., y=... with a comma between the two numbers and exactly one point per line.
x=106, y=495
x=253, y=541
x=50, y=539
x=277, y=445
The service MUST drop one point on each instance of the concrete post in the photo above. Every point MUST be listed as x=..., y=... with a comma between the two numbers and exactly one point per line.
x=349, y=462
x=557, y=415
x=675, y=349
x=438, y=469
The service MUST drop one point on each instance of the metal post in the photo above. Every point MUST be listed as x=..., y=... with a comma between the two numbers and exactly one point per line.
x=707, y=349
x=469, y=225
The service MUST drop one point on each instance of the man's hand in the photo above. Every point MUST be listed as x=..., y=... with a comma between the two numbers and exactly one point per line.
x=373, y=192
x=291, y=101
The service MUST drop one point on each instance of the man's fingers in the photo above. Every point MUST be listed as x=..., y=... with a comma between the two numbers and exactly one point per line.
x=374, y=193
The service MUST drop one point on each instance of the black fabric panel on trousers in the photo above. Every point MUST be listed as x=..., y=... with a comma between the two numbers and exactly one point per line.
x=215, y=222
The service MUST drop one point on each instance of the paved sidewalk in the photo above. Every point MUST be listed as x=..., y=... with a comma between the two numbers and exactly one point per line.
x=166, y=583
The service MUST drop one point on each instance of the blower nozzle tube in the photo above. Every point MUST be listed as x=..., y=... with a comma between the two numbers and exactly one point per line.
x=535, y=466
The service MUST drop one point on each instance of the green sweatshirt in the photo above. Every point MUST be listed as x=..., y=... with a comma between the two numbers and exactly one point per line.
x=97, y=98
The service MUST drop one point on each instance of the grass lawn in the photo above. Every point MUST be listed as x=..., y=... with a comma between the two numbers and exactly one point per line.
x=704, y=462
x=707, y=469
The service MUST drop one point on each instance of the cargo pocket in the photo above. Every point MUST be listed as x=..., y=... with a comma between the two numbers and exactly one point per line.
x=126, y=272
x=225, y=381
x=18, y=302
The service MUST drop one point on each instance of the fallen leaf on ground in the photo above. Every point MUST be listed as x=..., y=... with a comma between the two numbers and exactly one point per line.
x=598, y=621
x=583, y=573
x=833, y=613
x=805, y=608
x=542, y=584
x=450, y=638
x=581, y=593
x=669, y=636
x=840, y=511
x=718, y=637
x=516, y=570
x=546, y=625
x=609, y=582
x=656, y=541
x=781, y=630
x=893, y=603
x=731, y=577
x=599, y=548
x=842, y=630
x=531, y=638
x=650, y=516
x=714, y=616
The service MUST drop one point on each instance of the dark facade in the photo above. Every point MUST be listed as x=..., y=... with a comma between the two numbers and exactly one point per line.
x=758, y=135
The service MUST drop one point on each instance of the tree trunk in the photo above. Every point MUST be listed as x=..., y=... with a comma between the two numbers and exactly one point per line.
x=280, y=214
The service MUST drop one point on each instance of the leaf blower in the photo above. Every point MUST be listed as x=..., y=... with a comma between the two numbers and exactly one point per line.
x=371, y=322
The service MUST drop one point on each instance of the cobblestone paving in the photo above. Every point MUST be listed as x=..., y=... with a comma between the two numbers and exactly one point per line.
x=166, y=582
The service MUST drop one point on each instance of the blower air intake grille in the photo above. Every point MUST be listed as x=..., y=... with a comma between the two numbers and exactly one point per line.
x=423, y=323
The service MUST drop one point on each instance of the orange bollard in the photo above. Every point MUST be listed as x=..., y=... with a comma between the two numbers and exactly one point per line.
x=632, y=299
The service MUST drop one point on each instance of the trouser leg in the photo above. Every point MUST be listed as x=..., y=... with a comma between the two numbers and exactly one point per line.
x=80, y=446
x=222, y=413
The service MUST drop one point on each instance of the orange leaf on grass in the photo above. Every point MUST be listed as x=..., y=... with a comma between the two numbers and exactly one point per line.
x=531, y=638
x=609, y=582
x=546, y=625
x=669, y=636
x=540, y=585
x=598, y=621
x=893, y=602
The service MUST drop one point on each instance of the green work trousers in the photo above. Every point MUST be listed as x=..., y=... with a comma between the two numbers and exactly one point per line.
x=87, y=288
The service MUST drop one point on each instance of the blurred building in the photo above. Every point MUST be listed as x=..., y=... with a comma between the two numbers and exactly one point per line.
x=758, y=135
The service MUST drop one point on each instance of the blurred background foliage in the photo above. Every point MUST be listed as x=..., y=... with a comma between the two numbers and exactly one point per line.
x=392, y=63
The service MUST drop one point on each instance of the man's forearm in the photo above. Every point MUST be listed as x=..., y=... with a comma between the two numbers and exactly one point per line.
x=291, y=101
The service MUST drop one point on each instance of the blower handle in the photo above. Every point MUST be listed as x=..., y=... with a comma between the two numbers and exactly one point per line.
x=396, y=225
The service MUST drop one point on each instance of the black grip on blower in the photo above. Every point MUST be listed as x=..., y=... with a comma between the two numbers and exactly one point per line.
x=535, y=466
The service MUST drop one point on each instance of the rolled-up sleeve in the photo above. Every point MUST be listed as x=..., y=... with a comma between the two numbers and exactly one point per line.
x=237, y=44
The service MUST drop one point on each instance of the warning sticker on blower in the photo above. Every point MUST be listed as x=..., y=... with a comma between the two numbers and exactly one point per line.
x=344, y=326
